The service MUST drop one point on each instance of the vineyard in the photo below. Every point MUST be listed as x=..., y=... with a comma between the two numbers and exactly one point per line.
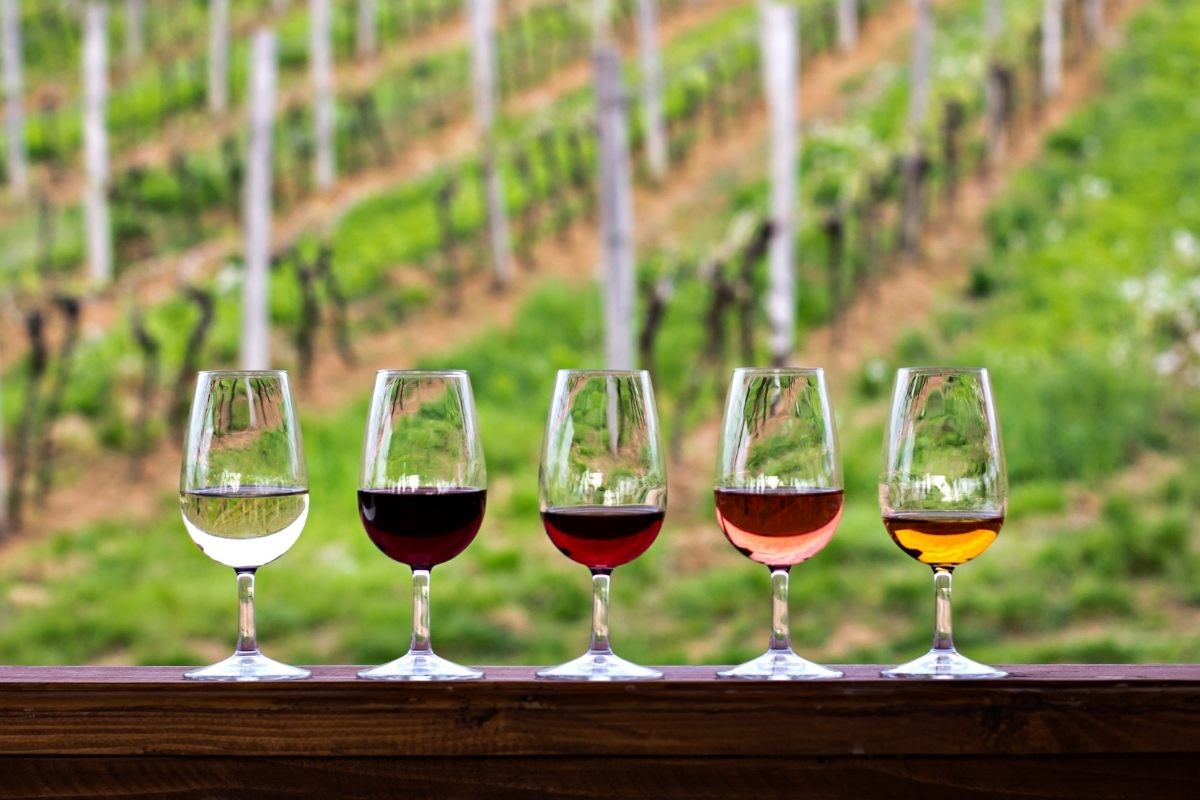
x=1012, y=190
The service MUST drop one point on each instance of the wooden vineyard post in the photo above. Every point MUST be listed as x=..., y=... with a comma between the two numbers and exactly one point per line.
x=321, y=61
x=482, y=14
x=781, y=53
x=366, y=29
x=601, y=21
x=135, y=31
x=95, y=143
x=218, y=56
x=14, y=97
x=995, y=101
x=616, y=208
x=1093, y=20
x=922, y=57
x=847, y=25
x=652, y=89
x=257, y=204
x=993, y=21
x=1052, y=48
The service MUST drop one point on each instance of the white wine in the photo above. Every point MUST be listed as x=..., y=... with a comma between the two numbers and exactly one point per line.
x=245, y=527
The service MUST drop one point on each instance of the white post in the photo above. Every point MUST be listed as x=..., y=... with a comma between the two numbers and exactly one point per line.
x=616, y=209
x=135, y=30
x=993, y=22
x=652, y=89
x=366, y=39
x=1052, y=47
x=95, y=142
x=993, y=29
x=482, y=19
x=847, y=25
x=922, y=60
x=781, y=57
x=321, y=60
x=1093, y=19
x=257, y=205
x=218, y=56
x=601, y=21
x=14, y=97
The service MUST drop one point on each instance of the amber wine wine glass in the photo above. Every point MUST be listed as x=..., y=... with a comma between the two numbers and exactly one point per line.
x=603, y=494
x=942, y=492
x=778, y=492
x=243, y=492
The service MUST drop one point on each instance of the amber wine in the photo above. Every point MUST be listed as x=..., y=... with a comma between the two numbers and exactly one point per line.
x=244, y=527
x=943, y=538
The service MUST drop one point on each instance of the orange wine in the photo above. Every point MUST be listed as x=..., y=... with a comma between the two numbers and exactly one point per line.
x=779, y=527
x=943, y=538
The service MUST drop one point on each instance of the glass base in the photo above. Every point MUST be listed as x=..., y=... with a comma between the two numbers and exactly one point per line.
x=943, y=665
x=420, y=667
x=780, y=665
x=248, y=667
x=597, y=666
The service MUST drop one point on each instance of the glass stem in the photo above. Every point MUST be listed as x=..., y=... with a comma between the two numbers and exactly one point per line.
x=420, y=608
x=780, y=636
x=943, y=634
x=599, y=642
x=247, y=638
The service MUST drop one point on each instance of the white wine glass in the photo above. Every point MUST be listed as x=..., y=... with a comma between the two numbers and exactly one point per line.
x=243, y=492
x=778, y=493
x=943, y=492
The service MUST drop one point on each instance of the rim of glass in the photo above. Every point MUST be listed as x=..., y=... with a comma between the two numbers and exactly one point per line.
x=780, y=370
x=242, y=372
x=606, y=372
x=390, y=372
x=942, y=370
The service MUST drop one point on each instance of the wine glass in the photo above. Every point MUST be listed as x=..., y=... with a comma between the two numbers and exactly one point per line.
x=778, y=492
x=603, y=494
x=243, y=491
x=422, y=491
x=942, y=492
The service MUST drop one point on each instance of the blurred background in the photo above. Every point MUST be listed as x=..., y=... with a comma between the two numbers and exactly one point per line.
x=431, y=183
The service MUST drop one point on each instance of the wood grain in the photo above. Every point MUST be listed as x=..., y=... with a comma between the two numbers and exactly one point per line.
x=898, y=778
x=1048, y=731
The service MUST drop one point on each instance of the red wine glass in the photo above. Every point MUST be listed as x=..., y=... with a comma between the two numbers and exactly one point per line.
x=943, y=491
x=243, y=492
x=421, y=494
x=778, y=493
x=603, y=494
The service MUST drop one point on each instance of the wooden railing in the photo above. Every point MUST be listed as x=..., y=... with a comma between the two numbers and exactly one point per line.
x=1046, y=732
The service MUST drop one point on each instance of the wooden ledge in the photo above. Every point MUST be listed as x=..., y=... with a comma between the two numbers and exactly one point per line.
x=1047, y=731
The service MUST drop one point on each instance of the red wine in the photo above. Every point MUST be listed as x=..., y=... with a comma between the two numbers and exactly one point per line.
x=422, y=527
x=779, y=527
x=603, y=537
